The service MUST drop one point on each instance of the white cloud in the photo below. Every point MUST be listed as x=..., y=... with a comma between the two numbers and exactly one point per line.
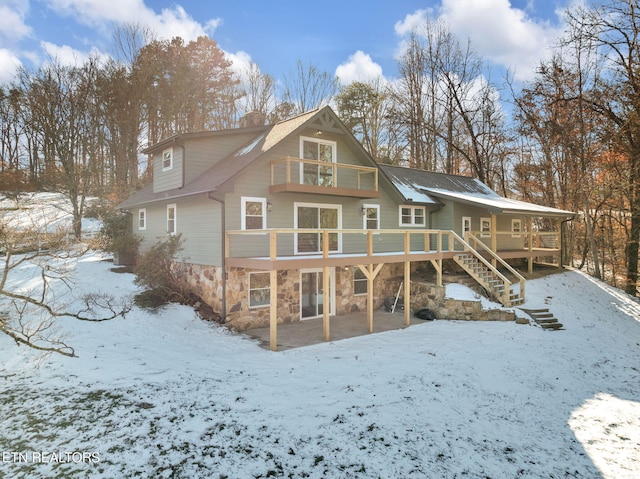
x=359, y=67
x=12, y=15
x=168, y=23
x=499, y=32
x=9, y=65
x=69, y=56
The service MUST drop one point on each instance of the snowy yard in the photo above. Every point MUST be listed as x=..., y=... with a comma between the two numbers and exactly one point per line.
x=168, y=395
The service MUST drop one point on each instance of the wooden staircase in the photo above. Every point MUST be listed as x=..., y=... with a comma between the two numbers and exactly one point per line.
x=543, y=318
x=507, y=292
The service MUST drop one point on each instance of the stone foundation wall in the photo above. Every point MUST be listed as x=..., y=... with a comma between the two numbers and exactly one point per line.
x=241, y=317
x=207, y=281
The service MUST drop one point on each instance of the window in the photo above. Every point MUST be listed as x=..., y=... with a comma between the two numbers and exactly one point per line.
x=317, y=150
x=412, y=216
x=167, y=159
x=516, y=228
x=254, y=213
x=371, y=217
x=359, y=282
x=485, y=227
x=259, y=290
x=316, y=216
x=466, y=225
x=142, y=219
x=171, y=219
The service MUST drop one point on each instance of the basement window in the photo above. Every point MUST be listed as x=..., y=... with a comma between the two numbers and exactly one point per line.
x=259, y=290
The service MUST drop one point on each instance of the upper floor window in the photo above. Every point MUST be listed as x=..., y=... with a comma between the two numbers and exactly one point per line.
x=412, y=216
x=371, y=217
x=254, y=213
x=171, y=219
x=142, y=219
x=167, y=159
x=317, y=150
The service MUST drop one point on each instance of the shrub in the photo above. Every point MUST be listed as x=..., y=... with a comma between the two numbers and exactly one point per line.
x=154, y=271
x=117, y=235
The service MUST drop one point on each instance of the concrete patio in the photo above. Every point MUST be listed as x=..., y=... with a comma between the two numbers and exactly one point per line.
x=309, y=331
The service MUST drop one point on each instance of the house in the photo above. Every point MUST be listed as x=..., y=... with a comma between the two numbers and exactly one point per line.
x=295, y=220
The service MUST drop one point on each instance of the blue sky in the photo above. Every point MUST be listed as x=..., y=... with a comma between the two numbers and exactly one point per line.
x=355, y=40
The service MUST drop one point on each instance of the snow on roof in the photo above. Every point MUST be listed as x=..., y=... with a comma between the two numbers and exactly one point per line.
x=427, y=187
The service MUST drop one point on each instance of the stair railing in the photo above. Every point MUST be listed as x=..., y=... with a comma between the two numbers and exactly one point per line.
x=521, y=279
x=507, y=284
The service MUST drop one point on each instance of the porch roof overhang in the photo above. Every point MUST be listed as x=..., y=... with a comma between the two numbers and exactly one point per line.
x=499, y=205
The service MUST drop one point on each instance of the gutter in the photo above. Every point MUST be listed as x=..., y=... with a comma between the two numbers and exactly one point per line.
x=223, y=228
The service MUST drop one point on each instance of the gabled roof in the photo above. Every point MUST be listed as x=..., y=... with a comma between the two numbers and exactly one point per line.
x=427, y=187
x=211, y=180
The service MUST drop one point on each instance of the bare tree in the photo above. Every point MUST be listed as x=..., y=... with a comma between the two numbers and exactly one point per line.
x=307, y=87
x=612, y=31
x=29, y=315
x=363, y=107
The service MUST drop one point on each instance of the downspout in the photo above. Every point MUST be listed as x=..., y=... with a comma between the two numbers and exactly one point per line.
x=223, y=229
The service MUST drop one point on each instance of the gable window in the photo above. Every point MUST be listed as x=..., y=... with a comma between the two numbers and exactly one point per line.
x=485, y=227
x=371, y=217
x=516, y=228
x=317, y=150
x=412, y=216
x=171, y=219
x=259, y=290
x=254, y=213
x=167, y=159
x=359, y=282
x=142, y=219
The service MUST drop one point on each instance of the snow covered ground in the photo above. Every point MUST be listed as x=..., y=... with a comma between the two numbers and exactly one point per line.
x=167, y=395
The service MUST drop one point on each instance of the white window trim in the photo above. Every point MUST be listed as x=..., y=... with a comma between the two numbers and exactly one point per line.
x=466, y=225
x=243, y=204
x=332, y=144
x=142, y=219
x=413, y=223
x=516, y=233
x=485, y=233
x=296, y=205
x=364, y=216
x=359, y=280
x=170, y=166
x=249, y=289
x=175, y=219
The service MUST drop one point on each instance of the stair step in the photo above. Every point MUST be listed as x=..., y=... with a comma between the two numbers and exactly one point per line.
x=545, y=320
x=552, y=326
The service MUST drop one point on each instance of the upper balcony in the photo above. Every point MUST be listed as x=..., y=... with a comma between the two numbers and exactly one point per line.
x=311, y=176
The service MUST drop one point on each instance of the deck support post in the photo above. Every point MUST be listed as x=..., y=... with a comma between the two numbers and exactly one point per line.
x=326, y=306
x=437, y=264
x=273, y=312
x=370, y=272
x=407, y=293
x=494, y=237
x=530, y=233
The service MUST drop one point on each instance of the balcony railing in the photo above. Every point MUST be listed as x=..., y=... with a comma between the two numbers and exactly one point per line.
x=310, y=176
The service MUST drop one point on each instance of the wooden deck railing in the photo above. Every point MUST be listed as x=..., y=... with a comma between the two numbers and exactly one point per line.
x=296, y=174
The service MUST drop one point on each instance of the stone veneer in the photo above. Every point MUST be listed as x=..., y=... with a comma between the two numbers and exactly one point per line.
x=207, y=282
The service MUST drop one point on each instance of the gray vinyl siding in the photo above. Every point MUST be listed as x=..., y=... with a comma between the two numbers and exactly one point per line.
x=255, y=181
x=203, y=153
x=169, y=179
x=197, y=219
